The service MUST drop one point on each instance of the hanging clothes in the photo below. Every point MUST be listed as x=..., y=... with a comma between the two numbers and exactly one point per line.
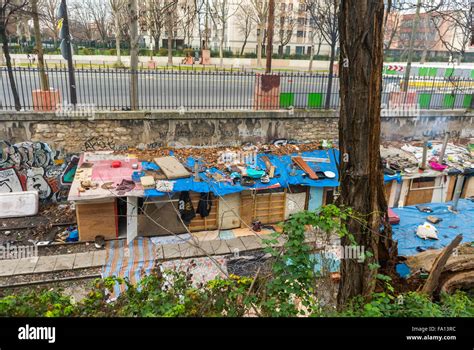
x=185, y=207
x=204, y=205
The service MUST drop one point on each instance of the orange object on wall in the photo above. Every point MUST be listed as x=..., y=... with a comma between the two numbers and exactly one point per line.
x=267, y=92
x=206, y=57
x=45, y=101
x=398, y=99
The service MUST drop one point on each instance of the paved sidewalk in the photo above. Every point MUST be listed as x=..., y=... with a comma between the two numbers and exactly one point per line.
x=52, y=263
x=190, y=249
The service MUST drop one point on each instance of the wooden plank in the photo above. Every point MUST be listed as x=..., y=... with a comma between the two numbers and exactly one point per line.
x=270, y=167
x=95, y=219
x=207, y=223
x=450, y=192
x=302, y=164
x=171, y=167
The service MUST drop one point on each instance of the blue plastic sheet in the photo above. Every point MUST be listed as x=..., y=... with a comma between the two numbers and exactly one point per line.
x=390, y=178
x=283, y=175
x=450, y=227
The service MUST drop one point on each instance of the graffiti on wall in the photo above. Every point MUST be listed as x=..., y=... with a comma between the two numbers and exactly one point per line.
x=35, y=166
x=9, y=181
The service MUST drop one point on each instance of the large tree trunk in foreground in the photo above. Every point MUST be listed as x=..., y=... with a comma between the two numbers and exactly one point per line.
x=361, y=60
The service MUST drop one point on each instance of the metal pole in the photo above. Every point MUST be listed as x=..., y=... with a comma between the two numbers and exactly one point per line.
x=425, y=151
x=70, y=64
x=443, y=149
x=271, y=22
x=457, y=192
x=410, y=48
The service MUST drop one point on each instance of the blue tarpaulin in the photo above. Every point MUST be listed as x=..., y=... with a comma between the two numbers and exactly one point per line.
x=283, y=177
x=452, y=225
x=390, y=178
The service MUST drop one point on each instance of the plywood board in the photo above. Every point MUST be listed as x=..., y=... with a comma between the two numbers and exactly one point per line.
x=418, y=195
x=207, y=223
x=94, y=219
x=172, y=167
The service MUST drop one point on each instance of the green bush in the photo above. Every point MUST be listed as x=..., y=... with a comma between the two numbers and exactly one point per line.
x=86, y=51
x=163, y=51
x=250, y=55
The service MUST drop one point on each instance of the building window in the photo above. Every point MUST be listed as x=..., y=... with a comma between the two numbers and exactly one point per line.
x=290, y=7
x=300, y=34
x=299, y=50
x=282, y=6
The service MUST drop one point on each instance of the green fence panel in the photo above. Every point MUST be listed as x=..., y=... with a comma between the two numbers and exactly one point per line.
x=449, y=72
x=315, y=99
x=467, y=101
x=424, y=100
x=427, y=71
x=423, y=71
x=287, y=99
x=433, y=72
x=448, y=101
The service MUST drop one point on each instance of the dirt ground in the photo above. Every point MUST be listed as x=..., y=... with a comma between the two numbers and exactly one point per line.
x=45, y=226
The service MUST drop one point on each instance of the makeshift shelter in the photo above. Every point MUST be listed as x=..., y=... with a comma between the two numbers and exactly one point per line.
x=434, y=182
x=114, y=193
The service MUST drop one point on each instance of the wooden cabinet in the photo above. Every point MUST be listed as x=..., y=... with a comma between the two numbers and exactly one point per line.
x=97, y=218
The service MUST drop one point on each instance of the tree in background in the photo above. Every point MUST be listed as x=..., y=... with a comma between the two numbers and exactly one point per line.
x=361, y=176
x=117, y=7
x=171, y=24
x=99, y=12
x=324, y=15
x=10, y=11
x=153, y=22
x=39, y=45
x=221, y=12
x=244, y=23
x=80, y=22
x=188, y=19
x=453, y=23
x=260, y=14
x=314, y=36
x=284, y=26
x=48, y=11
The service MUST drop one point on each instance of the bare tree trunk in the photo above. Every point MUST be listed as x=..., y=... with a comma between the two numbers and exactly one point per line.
x=361, y=61
x=259, y=46
x=271, y=24
x=133, y=54
x=311, y=58
x=39, y=46
x=410, y=46
x=118, y=37
x=8, y=60
x=221, y=45
x=170, y=50
x=243, y=47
